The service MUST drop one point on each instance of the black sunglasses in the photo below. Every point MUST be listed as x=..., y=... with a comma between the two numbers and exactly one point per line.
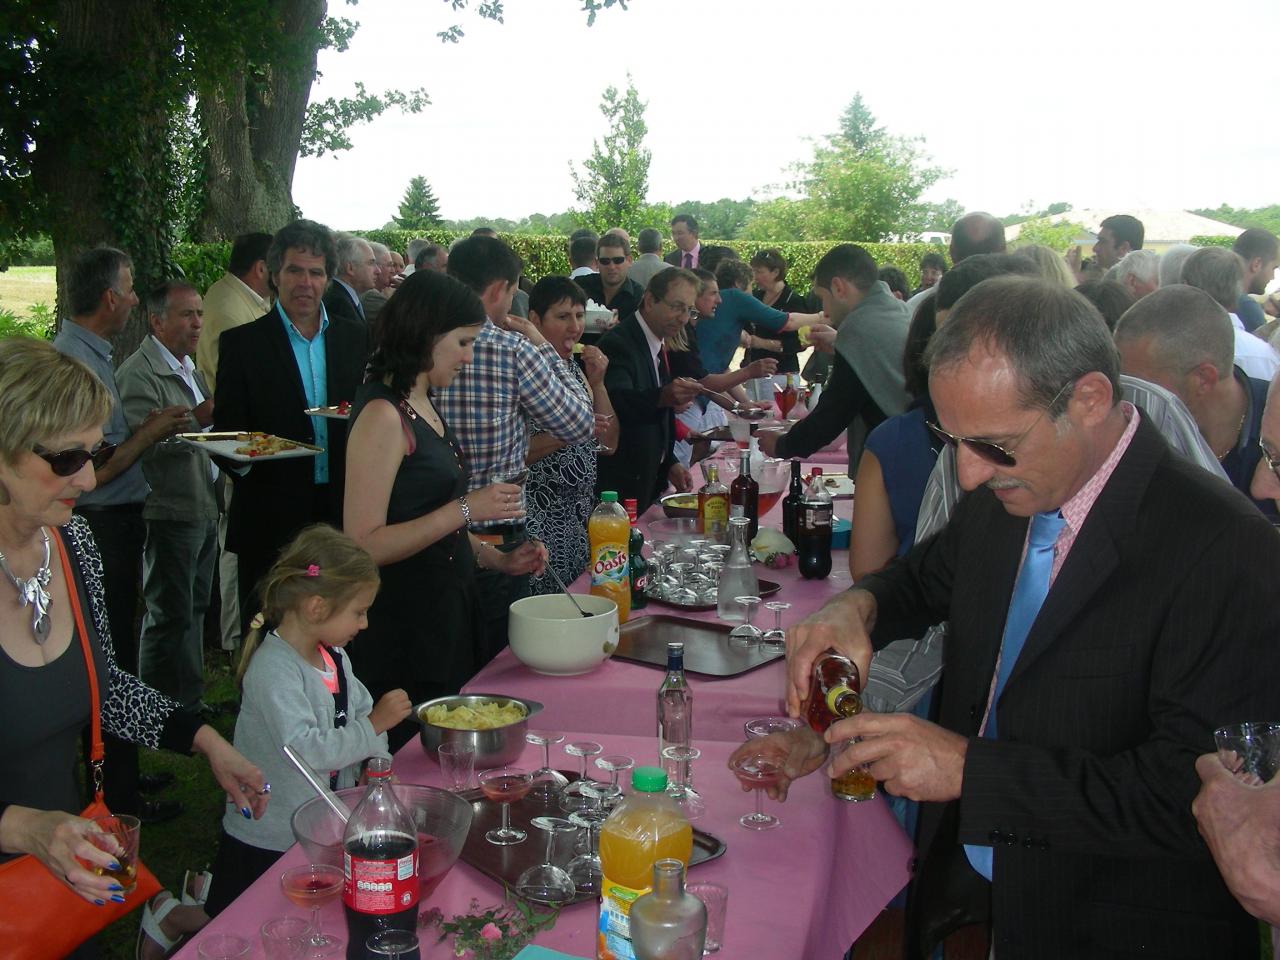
x=616, y=261
x=67, y=463
x=989, y=450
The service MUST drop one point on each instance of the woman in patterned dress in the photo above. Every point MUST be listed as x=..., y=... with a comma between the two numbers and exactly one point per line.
x=560, y=491
x=52, y=409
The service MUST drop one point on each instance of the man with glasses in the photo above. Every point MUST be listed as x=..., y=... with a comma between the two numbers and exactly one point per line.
x=645, y=396
x=1107, y=607
x=611, y=287
x=100, y=290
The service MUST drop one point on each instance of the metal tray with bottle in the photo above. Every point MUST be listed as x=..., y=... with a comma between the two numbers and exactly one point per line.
x=707, y=649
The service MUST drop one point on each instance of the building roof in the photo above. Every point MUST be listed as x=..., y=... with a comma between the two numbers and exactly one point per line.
x=1162, y=227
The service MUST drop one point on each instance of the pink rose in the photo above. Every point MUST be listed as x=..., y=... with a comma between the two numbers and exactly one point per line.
x=490, y=931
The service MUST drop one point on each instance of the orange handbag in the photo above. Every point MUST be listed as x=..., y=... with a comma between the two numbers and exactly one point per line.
x=41, y=918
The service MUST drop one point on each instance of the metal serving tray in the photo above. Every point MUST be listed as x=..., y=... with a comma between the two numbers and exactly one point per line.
x=707, y=650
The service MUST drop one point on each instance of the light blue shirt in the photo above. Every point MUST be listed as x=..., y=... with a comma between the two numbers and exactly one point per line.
x=95, y=353
x=314, y=370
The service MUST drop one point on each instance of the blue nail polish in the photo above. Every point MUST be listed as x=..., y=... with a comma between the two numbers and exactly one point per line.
x=113, y=866
x=116, y=887
x=248, y=814
x=117, y=898
x=100, y=903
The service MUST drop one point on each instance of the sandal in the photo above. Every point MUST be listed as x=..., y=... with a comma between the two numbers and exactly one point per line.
x=150, y=926
x=193, y=881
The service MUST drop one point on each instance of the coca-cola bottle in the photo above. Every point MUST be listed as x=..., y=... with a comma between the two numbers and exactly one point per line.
x=380, y=865
x=813, y=542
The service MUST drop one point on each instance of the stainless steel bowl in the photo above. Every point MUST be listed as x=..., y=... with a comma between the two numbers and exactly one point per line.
x=493, y=748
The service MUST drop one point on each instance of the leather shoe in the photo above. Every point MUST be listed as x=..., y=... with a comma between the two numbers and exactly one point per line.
x=158, y=811
x=154, y=782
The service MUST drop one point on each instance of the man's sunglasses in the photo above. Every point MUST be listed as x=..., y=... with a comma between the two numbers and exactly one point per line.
x=67, y=463
x=988, y=450
x=616, y=261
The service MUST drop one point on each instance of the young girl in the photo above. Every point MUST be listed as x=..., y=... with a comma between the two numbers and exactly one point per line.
x=298, y=689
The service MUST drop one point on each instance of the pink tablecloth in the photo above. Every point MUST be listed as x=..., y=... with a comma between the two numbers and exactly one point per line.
x=804, y=890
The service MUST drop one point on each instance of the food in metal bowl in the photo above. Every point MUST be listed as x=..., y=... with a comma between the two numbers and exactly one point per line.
x=494, y=746
x=680, y=504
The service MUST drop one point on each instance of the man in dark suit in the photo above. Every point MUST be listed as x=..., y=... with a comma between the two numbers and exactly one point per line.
x=269, y=372
x=684, y=234
x=356, y=274
x=644, y=395
x=1091, y=652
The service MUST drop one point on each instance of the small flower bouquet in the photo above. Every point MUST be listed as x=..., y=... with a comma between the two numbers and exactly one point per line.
x=495, y=933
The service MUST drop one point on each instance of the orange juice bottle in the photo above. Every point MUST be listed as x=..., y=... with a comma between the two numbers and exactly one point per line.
x=647, y=827
x=610, y=532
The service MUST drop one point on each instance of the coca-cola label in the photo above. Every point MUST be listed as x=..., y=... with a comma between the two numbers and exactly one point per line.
x=380, y=886
x=817, y=516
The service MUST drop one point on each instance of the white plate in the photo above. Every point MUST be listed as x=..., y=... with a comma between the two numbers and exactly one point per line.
x=222, y=446
x=329, y=413
x=840, y=487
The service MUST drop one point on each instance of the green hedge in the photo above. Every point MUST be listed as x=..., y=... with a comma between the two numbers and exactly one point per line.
x=542, y=255
x=1202, y=241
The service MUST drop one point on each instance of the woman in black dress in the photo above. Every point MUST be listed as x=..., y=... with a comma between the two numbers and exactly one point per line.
x=407, y=501
x=769, y=271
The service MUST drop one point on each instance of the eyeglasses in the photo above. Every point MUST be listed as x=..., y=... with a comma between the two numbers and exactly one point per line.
x=1272, y=460
x=676, y=307
x=1001, y=456
x=67, y=463
x=616, y=261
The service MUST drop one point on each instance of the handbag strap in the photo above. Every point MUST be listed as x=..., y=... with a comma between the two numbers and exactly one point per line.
x=73, y=595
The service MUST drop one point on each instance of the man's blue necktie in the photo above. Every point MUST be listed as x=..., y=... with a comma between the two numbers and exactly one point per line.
x=1028, y=596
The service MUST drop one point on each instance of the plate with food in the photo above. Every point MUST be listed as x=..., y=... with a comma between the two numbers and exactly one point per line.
x=249, y=446
x=341, y=411
x=838, y=485
x=680, y=504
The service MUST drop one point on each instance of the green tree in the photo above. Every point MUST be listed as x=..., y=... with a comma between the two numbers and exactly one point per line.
x=722, y=219
x=1027, y=213
x=1056, y=236
x=419, y=209
x=1265, y=218
x=863, y=183
x=940, y=217
x=614, y=186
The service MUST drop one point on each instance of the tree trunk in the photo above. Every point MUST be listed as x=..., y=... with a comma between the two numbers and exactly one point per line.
x=254, y=128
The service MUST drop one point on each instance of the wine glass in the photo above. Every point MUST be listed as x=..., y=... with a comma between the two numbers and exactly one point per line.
x=392, y=944
x=680, y=784
x=313, y=885
x=602, y=423
x=611, y=795
x=746, y=633
x=775, y=636
x=545, y=882
x=584, y=869
x=757, y=772
x=575, y=796
x=505, y=785
x=763, y=726
x=547, y=783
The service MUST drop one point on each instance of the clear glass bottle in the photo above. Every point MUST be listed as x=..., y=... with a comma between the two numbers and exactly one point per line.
x=675, y=702
x=737, y=579
x=668, y=924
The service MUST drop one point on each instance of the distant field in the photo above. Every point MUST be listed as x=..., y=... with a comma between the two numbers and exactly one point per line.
x=20, y=287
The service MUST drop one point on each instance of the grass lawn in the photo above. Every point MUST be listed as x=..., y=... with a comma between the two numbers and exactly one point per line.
x=20, y=287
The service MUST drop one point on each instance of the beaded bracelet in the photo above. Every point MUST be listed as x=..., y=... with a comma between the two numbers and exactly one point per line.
x=466, y=512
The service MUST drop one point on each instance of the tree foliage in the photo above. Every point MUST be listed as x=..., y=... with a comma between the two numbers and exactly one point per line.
x=419, y=209
x=721, y=219
x=1265, y=218
x=614, y=186
x=941, y=217
x=1056, y=236
x=1028, y=214
x=862, y=182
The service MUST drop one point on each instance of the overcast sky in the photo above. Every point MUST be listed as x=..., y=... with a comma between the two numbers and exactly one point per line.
x=1113, y=105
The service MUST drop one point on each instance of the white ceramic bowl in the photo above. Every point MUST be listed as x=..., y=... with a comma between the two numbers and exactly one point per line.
x=548, y=636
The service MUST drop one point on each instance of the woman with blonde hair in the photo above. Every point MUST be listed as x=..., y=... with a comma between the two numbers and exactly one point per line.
x=1050, y=265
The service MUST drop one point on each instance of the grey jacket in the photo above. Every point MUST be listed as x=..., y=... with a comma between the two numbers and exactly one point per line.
x=285, y=701
x=182, y=486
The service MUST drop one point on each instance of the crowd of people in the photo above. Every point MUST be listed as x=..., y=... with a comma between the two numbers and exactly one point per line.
x=1045, y=451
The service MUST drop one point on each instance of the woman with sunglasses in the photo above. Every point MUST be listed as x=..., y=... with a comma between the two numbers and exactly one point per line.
x=52, y=409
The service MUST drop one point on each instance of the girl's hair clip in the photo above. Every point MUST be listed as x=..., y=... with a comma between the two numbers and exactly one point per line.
x=313, y=570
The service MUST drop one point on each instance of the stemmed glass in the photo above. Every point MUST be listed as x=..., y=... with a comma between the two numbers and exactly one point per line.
x=746, y=633
x=547, y=783
x=681, y=592
x=313, y=885
x=757, y=772
x=611, y=795
x=602, y=423
x=775, y=636
x=575, y=796
x=680, y=783
x=584, y=869
x=505, y=785
x=763, y=726
x=545, y=882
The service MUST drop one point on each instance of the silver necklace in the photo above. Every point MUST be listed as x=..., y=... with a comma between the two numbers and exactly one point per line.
x=33, y=592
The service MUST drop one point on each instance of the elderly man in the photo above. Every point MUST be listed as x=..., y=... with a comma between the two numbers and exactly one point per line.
x=375, y=298
x=1260, y=252
x=1219, y=273
x=412, y=251
x=867, y=383
x=645, y=395
x=432, y=257
x=972, y=235
x=100, y=291
x=611, y=287
x=181, y=512
x=649, y=246
x=357, y=273
x=1107, y=609
x=1117, y=235
x=1241, y=821
x=684, y=234
x=1138, y=272
x=271, y=371
x=239, y=296
x=1180, y=339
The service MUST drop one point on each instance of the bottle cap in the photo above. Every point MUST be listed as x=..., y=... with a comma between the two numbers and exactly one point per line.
x=609, y=496
x=816, y=472
x=649, y=779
